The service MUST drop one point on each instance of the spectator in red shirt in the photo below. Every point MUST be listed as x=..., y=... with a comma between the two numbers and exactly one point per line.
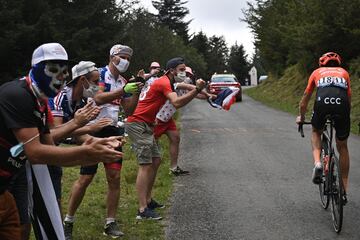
x=140, y=125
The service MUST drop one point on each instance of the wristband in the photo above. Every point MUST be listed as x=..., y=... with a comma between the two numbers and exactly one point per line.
x=198, y=89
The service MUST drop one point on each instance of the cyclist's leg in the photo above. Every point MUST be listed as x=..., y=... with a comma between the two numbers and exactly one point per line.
x=318, y=122
x=342, y=128
x=316, y=145
x=344, y=161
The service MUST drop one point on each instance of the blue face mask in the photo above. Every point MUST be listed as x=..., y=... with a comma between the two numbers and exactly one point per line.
x=45, y=76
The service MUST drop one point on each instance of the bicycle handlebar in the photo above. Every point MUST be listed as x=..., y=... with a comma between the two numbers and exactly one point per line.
x=301, y=129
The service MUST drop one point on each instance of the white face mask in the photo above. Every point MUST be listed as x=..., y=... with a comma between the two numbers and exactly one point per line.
x=122, y=66
x=180, y=77
x=90, y=91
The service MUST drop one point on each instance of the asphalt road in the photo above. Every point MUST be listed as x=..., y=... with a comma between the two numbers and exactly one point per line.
x=251, y=178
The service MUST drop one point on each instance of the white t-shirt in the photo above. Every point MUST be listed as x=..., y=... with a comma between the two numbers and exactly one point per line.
x=108, y=83
x=168, y=110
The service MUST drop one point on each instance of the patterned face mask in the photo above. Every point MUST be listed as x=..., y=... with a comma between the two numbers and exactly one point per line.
x=53, y=70
x=46, y=74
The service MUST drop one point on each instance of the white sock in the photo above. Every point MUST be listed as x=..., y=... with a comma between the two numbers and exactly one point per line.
x=109, y=220
x=69, y=218
x=318, y=164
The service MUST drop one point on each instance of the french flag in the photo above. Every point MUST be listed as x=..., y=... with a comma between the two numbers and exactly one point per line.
x=225, y=98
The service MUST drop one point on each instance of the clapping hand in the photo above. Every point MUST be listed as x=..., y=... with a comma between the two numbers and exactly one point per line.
x=86, y=114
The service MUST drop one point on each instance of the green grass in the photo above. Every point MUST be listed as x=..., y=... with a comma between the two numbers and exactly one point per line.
x=285, y=94
x=91, y=214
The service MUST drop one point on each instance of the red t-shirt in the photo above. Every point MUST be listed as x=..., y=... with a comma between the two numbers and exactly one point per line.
x=152, y=98
x=329, y=76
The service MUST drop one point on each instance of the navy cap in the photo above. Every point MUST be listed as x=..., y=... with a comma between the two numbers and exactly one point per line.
x=174, y=62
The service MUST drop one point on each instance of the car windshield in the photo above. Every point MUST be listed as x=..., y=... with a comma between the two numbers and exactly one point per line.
x=223, y=79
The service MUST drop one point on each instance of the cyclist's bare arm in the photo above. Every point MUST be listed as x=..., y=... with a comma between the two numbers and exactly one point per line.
x=303, y=105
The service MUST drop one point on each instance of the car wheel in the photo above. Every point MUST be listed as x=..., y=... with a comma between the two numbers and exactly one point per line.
x=239, y=98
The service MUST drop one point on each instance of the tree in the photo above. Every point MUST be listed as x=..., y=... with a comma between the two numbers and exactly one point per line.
x=172, y=14
x=218, y=55
x=202, y=45
x=238, y=63
x=289, y=32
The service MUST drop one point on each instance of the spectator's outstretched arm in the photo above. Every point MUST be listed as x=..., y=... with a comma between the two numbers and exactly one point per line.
x=45, y=152
x=202, y=95
x=107, y=97
x=178, y=102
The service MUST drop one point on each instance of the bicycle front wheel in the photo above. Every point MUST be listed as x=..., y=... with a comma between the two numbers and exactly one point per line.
x=323, y=186
x=336, y=189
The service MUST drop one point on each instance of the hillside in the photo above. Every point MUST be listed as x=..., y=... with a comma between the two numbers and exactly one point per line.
x=286, y=92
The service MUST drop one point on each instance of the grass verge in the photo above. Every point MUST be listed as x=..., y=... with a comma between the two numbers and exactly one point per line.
x=91, y=214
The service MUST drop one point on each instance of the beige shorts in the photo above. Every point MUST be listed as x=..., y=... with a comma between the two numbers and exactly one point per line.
x=143, y=141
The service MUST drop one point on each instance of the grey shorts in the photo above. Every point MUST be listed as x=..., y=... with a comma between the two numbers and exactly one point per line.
x=143, y=141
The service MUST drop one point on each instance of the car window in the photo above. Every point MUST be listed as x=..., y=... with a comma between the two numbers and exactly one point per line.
x=223, y=79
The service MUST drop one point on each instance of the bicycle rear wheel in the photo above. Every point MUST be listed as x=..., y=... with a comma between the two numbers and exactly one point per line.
x=336, y=189
x=323, y=186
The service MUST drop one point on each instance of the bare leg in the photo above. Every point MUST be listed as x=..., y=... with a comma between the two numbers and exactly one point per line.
x=155, y=166
x=174, y=138
x=113, y=194
x=316, y=145
x=145, y=173
x=77, y=193
x=344, y=161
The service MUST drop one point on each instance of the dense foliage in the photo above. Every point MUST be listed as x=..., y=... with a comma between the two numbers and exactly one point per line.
x=88, y=28
x=289, y=32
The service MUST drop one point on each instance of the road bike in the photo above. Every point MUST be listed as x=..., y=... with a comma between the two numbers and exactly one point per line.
x=331, y=187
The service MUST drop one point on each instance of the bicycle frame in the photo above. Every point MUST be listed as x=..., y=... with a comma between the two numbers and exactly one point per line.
x=330, y=189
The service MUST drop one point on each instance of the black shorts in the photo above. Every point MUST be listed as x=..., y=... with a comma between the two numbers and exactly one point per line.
x=19, y=189
x=332, y=102
x=108, y=131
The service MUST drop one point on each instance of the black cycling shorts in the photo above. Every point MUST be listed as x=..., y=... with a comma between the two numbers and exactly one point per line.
x=332, y=102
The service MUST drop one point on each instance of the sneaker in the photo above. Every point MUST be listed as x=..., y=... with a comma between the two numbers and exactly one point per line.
x=154, y=204
x=178, y=171
x=148, y=214
x=112, y=229
x=68, y=227
x=317, y=174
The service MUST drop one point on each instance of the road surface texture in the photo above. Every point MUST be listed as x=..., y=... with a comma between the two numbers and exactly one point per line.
x=251, y=178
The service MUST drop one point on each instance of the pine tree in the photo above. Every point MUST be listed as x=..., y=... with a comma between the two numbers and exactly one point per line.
x=172, y=14
x=238, y=63
x=218, y=56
